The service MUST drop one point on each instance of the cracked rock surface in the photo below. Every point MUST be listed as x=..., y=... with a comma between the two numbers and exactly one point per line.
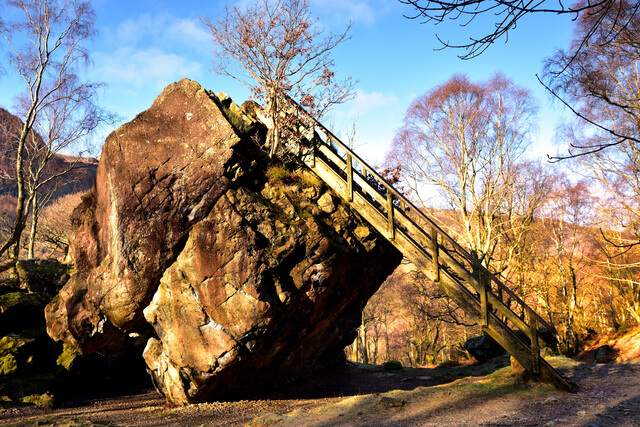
x=235, y=277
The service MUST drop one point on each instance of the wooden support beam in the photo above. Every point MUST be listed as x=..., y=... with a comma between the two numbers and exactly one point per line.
x=435, y=255
x=392, y=227
x=535, y=349
x=349, y=178
x=484, y=307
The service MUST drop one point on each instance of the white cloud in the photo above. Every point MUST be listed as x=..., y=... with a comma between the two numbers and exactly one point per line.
x=163, y=29
x=189, y=31
x=151, y=67
x=364, y=102
x=152, y=50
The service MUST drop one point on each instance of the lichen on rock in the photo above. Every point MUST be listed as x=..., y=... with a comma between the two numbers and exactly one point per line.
x=242, y=272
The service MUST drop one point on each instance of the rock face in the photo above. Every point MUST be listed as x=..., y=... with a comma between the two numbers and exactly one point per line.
x=249, y=272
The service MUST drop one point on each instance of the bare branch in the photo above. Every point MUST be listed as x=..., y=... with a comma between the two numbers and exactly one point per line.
x=507, y=12
x=277, y=48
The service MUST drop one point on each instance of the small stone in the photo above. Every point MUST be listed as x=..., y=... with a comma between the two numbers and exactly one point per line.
x=325, y=202
x=391, y=402
x=362, y=232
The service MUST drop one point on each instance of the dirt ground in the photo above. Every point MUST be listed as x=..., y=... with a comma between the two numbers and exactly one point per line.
x=366, y=395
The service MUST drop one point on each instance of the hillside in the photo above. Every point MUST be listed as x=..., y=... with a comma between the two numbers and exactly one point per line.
x=80, y=179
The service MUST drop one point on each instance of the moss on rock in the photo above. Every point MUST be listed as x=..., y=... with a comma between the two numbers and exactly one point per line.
x=67, y=357
x=45, y=400
x=8, y=365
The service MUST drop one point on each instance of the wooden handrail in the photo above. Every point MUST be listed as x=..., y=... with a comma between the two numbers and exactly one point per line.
x=482, y=270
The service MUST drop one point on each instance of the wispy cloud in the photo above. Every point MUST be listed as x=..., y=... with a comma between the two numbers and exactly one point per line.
x=152, y=51
x=162, y=29
x=139, y=68
x=365, y=102
x=367, y=12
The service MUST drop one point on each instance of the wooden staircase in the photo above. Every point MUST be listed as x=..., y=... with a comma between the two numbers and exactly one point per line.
x=460, y=275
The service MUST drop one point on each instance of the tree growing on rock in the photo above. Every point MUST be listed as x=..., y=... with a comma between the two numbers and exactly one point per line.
x=44, y=40
x=277, y=49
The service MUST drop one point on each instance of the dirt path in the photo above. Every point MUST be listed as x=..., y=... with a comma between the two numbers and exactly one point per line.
x=369, y=396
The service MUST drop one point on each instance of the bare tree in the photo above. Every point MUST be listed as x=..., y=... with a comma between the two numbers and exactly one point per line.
x=62, y=123
x=466, y=141
x=54, y=230
x=45, y=48
x=621, y=271
x=276, y=48
x=599, y=79
x=568, y=254
x=507, y=14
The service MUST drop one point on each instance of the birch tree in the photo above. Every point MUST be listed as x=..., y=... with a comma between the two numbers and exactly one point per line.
x=465, y=141
x=45, y=45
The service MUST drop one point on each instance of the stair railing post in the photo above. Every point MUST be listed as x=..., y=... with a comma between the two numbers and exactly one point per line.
x=349, y=177
x=535, y=348
x=484, y=315
x=392, y=229
x=435, y=255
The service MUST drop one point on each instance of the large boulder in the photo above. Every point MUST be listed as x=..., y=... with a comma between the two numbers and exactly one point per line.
x=243, y=271
x=483, y=348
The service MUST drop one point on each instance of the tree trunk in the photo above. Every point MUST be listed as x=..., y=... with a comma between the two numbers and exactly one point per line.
x=35, y=214
x=362, y=335
x=354, y=348
x=19, y=223
x=386, y=337
x=274, y=140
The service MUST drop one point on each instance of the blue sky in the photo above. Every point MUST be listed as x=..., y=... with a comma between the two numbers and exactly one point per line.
x=145, y=45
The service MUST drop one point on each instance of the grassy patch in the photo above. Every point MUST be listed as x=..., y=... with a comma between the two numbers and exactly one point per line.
x=54, y=421
x=279, y=175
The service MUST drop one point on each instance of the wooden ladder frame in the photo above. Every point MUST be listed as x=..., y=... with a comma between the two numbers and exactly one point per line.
x=460, y=275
